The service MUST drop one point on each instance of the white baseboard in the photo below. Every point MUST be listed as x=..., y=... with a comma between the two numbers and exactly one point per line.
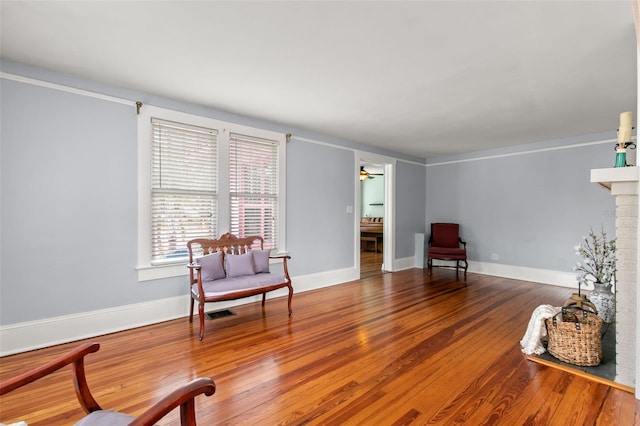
x=22, y=337
x=543, y=276
x=404, y=263
x=26, y=336
x=31, y=335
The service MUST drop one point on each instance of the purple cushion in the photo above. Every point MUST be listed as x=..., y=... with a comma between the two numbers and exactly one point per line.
x=222, y=288
x=105, y=418
x=212, y=267
x=239, y=265
x=261, y=260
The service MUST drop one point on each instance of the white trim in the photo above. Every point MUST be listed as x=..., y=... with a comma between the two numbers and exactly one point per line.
x=404, y=263
x=486, y=157
x=282, y=198
x=156, y=272
x=389, y=249
x=299, y=138
x=346, y=148
x=32, y=335
x=63, y=88
x=53, y=331
x=419, y=256
x=411, y=162
x=531, y=151
x=636, y=16
x=543, y=276
x=389, y=227
x=323, y=279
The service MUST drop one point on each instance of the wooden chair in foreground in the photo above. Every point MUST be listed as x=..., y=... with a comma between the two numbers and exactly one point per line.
x=445, y=244
x=183, y=397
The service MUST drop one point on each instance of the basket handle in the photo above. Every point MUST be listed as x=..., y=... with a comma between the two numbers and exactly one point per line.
x=565, y=311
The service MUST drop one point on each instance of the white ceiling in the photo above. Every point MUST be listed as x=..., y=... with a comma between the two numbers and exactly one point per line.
x=423, y=78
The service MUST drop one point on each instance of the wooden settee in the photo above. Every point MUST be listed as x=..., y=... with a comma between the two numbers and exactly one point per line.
x=231, y=268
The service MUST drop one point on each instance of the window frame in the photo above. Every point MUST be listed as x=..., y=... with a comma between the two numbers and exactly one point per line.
x=150, y=271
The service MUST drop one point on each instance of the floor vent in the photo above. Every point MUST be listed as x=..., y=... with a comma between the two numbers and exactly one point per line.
x=219, y=314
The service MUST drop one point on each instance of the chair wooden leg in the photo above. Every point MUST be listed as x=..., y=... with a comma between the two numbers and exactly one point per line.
x=191, y=311
x=188, y=413
x=264, y=296
x=289, y=301
x=201, y=316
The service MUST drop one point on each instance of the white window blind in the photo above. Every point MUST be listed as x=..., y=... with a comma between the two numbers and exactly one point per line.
x=183, y=187
x=254, y=187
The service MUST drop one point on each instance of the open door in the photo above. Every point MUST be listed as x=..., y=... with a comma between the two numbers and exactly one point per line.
x=372, y=201
x=374, y=221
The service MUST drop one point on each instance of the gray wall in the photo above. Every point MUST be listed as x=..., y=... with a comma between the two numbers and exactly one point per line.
x=68, y=198
x=530, y=209
x=319, y=229
x=69, y=205
x=409, y=212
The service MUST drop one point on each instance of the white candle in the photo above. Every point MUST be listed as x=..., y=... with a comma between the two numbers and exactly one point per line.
x=624, y=134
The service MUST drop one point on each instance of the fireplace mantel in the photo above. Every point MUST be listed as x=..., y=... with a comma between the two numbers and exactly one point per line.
x=619, y=180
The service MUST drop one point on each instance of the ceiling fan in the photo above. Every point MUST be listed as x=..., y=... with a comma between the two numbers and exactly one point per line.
x=366, y=175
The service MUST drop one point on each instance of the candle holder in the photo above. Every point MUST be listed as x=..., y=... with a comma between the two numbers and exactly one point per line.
x=621, y=157
x=621, y=154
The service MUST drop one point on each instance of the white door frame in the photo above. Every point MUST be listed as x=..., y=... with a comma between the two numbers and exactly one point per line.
x=388, y=235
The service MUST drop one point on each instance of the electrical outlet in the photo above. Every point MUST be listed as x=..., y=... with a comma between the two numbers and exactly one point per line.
x=494, y=256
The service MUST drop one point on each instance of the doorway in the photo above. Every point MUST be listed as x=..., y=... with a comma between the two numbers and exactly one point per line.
x=372, y=218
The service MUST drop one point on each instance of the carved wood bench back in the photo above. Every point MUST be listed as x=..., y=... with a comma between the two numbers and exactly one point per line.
x=227, y=243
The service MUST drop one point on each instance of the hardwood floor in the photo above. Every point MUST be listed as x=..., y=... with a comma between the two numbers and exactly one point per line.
x=394, y=349
x=370, y=264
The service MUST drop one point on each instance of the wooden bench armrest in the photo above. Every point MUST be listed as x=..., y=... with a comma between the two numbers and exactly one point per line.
x=183, y=397
x=282, y=256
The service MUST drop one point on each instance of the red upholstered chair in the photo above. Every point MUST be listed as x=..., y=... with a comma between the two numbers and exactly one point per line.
x=445, y=244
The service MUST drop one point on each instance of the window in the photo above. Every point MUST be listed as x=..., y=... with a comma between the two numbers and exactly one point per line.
x=200, y=177
x=253, y=171
x=183, y=187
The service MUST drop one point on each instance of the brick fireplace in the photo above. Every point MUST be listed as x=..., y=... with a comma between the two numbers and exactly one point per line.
x=623, y=184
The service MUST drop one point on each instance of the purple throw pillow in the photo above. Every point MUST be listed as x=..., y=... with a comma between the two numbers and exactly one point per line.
x=261, y=260
x=212, y=267
x=239, y=265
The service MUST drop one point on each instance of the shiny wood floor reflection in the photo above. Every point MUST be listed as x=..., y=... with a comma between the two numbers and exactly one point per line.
x=370, y=264
x=398, y=348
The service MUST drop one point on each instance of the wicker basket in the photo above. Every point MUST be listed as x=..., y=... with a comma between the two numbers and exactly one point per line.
x=575, y=337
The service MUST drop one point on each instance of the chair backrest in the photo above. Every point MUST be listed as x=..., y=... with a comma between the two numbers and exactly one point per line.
x=445, y=235
x=228, y=243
